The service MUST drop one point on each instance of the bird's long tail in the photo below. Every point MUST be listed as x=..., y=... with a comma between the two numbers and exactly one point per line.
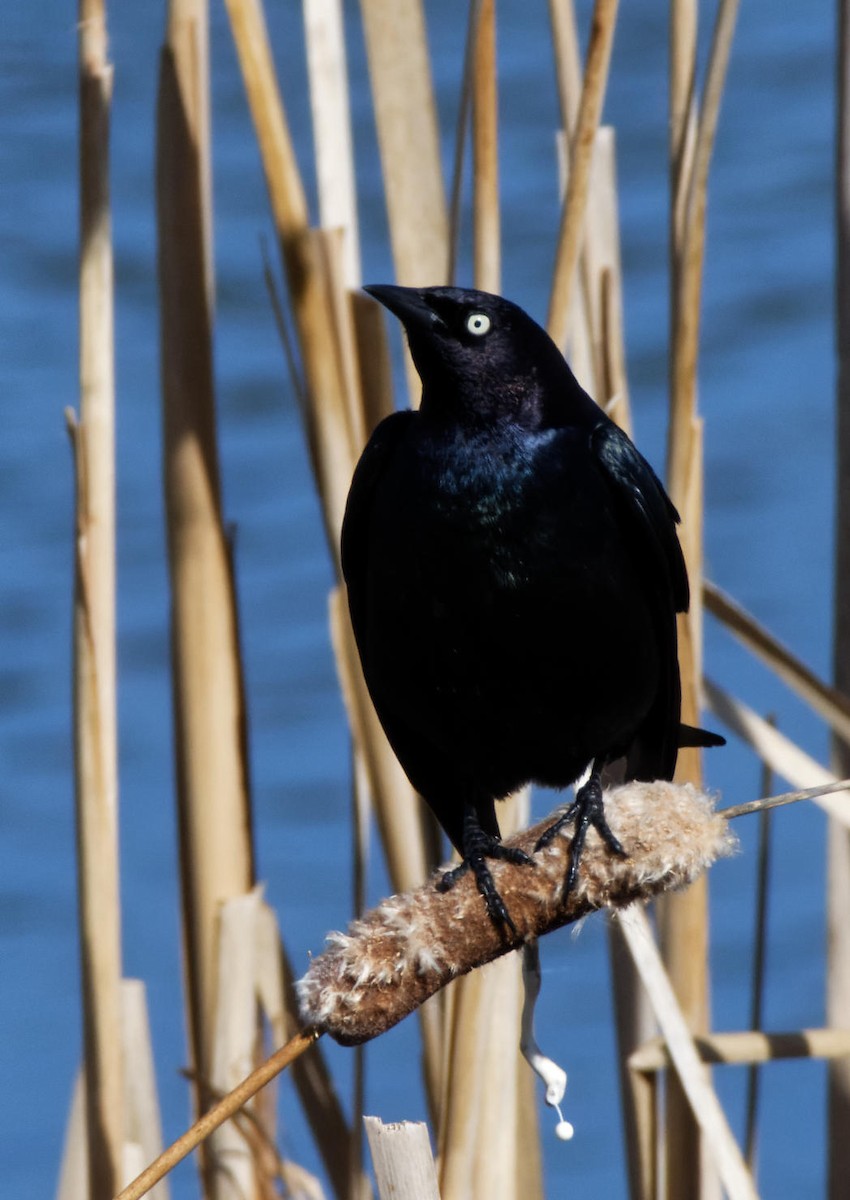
x=691, y=735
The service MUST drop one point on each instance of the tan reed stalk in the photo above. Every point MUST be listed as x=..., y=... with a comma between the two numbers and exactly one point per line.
x=95, y=733
x=838, y=839
x=401, y=1155
x=339, y=412
x=408, y=138
x=567, y=61
x=601, y=296
x=486, y=1085
x=783, y=756
x=828, y=702
x=486, y=233
x=750, y=1046
x=751, y=1108
x=409, y=144
x=581, y=151
x=214, y=819
x=682, y=110
x=409, y=840
x=327, y=74
x=684, y=919
x=220, y=1112
x=692, y=1076
x=461, y=125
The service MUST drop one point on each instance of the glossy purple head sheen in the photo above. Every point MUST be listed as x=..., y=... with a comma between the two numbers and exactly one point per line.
x=481, y=357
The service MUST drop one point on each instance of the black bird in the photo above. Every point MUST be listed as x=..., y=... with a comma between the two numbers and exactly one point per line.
x=513, y=576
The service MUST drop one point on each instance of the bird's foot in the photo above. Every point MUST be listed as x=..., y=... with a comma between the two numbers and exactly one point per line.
x=585, y=811
x=475, y=860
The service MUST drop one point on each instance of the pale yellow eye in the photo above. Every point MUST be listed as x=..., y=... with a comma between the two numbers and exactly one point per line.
x=478, y=323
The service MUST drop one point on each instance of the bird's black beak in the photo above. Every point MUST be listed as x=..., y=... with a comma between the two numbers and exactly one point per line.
x=408, y=304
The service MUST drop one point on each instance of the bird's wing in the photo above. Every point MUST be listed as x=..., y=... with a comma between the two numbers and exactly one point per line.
x=646, y=508
x=650, y=519
x=354, y=540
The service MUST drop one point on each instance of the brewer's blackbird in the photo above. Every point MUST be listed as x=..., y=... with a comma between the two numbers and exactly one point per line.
x=513, y=577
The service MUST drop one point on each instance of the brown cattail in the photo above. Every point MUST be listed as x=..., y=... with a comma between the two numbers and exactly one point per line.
x=409, y=946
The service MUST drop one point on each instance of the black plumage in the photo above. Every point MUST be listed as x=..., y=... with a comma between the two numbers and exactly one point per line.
x=513, y=576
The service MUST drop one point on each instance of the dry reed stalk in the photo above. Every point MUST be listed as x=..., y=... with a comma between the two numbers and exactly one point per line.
x=74, y=1169
x=408, y=139
x=581, y=152
x=773, y=747
x=486, y=223
x=838, y=839
x=689, y=179
x=95, y=732
x=485, y=1086
x=692, y=1075
x=305, y=255
x=682, y=110
x=683, y=920
x=231, y=1154
x=604, y=293
x=759, y=956
x=401, y=1156
x=642, y=1139
x=338, y=417
x=327, y=74
x=602, y=297
x=409, y=144
x=220, y=1112
x=214, y=820
x=486, y=1082
x=828, y=702
x=461, y=125
x=685, y=931
x=142, y=1129
x=142, y=1125
x=275, y=984
x=749, y=1046
x=410, y=838
x=373, y=359
x=565, y=48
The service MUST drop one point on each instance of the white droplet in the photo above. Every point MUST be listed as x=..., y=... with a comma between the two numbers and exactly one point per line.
x=564, y=1131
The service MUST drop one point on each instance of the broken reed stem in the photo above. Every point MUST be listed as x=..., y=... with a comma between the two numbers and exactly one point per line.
x=581, y=156
x=219, y=1113
x=95, y=706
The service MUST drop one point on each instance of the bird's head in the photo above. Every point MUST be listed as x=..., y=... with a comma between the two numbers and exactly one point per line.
x=479, y=356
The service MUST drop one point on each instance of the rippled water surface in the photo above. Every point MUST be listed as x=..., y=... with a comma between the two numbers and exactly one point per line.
x=766, y=384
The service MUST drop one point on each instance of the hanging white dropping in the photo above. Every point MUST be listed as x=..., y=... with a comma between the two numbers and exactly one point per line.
x=554, y=1077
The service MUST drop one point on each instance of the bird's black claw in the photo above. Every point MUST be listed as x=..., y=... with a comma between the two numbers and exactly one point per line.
x=496, y=907
x=585, y=811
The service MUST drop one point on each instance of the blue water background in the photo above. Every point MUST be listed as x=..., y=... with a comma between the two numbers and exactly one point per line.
x=766, y=388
